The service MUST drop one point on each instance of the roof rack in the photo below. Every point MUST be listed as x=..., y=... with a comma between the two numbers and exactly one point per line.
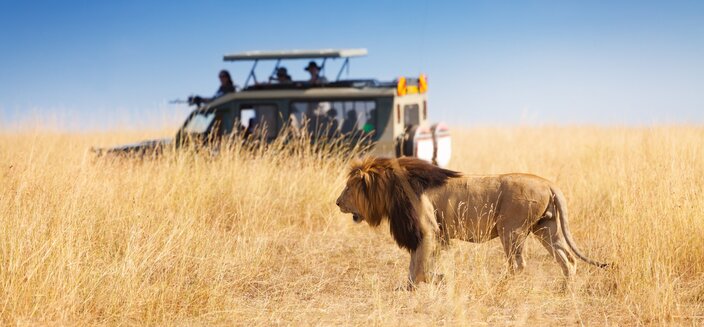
x=356, y=83
x=295, y=54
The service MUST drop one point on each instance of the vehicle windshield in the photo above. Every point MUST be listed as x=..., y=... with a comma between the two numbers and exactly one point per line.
x=199, y=123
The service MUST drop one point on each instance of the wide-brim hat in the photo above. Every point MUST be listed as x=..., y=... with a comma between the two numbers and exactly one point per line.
x=312, y=64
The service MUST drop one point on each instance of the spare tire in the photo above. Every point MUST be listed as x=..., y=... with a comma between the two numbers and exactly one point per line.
x=416, y=141
x=442, y=144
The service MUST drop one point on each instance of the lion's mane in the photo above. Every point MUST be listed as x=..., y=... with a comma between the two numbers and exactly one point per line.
x=391, y=188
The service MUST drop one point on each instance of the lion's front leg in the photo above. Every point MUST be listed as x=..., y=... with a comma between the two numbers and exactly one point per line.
x=420, y=261
x=416, y=270
x=421, y=257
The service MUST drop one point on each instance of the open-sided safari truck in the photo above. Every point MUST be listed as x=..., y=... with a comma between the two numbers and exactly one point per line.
x=392, y=115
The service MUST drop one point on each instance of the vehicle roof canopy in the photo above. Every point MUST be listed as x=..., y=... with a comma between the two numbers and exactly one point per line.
x=324, y=54
x=296, y=54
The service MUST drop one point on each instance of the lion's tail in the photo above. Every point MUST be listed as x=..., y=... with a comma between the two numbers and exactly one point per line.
x=559, y=200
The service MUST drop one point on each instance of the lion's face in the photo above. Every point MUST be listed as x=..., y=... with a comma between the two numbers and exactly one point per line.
x=365, y=194
x=348, y=201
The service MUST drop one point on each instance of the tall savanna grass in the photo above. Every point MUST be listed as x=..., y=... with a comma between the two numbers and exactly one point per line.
x=252, y=236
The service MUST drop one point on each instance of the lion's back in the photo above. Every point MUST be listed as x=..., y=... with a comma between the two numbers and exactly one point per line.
x=484, y=193
x=468, y=207
x=474, y=191
x=525, y=186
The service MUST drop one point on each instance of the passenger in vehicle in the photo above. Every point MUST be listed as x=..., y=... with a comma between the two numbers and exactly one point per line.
x=282, y=76
x=350, y=124
x=251, y=127
x=316, y=123
x=331, y=123
x=294, y=122
x=314, y=71
x=369, y=126
x=315, y=118
x=226, y=86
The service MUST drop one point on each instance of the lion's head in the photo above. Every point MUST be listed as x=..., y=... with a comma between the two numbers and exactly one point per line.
x=379, y=188
x=362, y=196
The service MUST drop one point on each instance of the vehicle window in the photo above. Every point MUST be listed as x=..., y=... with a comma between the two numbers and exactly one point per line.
x=336, y=117
x=259, y=119
x=247, y=116
x=411, y=115
x=199, y=123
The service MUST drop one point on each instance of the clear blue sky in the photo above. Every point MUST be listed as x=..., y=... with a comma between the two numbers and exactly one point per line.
x=488, y=62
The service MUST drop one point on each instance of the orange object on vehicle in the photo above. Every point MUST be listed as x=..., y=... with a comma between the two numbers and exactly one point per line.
x=401, y=86
x=423, y=83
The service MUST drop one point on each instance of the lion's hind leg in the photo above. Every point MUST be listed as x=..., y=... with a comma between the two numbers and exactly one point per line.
x=513, y=241
x=513, y=236
x=548, y=232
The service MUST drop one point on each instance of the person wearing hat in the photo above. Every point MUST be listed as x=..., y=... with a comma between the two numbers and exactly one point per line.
x=314, y=71
x=282, y=76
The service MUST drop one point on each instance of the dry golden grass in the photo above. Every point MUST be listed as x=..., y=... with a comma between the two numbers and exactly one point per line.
x=257, y=240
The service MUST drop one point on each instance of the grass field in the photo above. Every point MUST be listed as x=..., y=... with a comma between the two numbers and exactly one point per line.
x=258, y=240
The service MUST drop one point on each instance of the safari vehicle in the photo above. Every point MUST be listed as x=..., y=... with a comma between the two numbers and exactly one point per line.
x=392, y=115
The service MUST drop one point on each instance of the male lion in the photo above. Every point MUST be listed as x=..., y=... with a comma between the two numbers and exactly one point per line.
x=425, y=204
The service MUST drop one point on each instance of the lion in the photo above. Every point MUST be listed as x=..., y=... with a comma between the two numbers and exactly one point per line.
x=426, y=206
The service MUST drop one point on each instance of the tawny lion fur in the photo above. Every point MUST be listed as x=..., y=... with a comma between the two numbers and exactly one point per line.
x=426, y=205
